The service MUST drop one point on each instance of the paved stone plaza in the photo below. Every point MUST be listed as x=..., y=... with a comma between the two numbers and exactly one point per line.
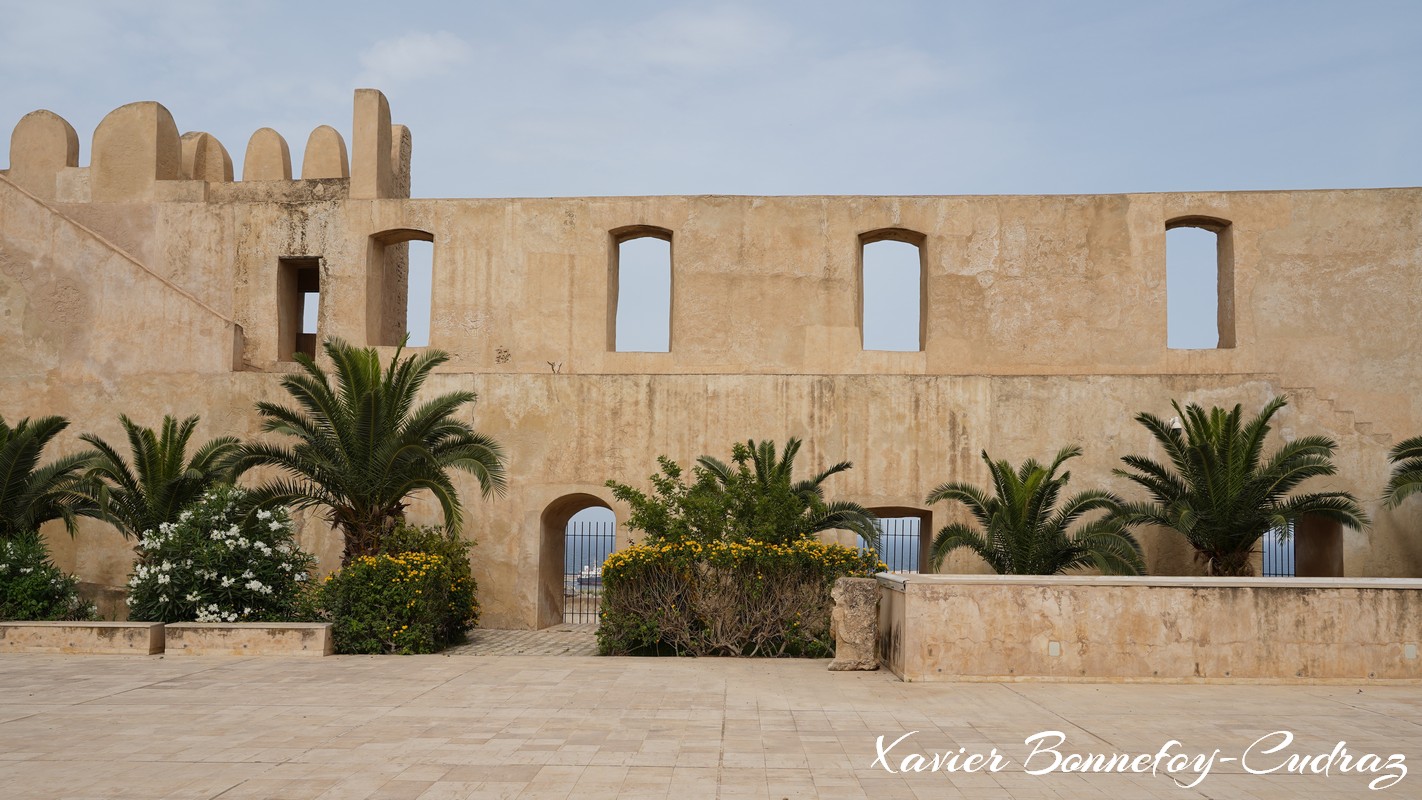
x=461, y=726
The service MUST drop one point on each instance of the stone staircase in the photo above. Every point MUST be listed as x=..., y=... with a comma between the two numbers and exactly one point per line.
x=1310, y=399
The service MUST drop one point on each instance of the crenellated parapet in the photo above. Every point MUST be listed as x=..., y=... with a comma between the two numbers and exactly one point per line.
x=138, y=156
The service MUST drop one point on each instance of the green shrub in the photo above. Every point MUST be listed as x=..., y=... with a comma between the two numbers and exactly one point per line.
x=33, y=588
x=737, y=598
x=754, y=498
x=219, y=564
x=389, y=603
x=414, y=596
x=463, y=612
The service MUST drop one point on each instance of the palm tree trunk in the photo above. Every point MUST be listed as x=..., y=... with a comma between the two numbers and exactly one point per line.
x=1232, y=565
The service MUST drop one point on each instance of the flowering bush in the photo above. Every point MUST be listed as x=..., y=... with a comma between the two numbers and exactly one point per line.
x=730, y=598
x=33, y=588
x=219, y=564
x=462, y=612
x=416, y=596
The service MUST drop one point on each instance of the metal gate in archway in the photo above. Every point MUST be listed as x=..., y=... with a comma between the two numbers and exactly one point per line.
x=585, y=546
x=899, y=543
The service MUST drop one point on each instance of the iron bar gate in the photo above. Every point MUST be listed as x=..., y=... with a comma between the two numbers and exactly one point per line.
x=899, y=543
x=1278, y=555
x=585, y=546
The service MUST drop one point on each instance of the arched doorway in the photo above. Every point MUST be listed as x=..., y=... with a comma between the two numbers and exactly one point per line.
x=905, y=534
x=579, y=532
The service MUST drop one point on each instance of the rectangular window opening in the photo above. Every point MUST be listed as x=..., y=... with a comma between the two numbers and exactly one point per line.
x=1198, y=289
x=419, y=297
x=643, y=301
x=298, y=306
x=893, y=296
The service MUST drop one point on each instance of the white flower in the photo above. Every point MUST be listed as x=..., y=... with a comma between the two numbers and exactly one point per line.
x=231, y=617
x=185, y=516
x=226, y=582
x=246, y=611
x=192, y=597
x=128, y=601
x=274, y=525
x=26, y=570
x=286, y=566
x=165, y=566
x=255, y=586
x=300, y=576
x=264, y=514
x=162, y=598
x=163, y=579
x=249, y=574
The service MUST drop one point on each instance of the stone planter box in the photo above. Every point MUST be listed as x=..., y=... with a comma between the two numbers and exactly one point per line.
x=250, y=639
x=100, y=638
x=991, y=627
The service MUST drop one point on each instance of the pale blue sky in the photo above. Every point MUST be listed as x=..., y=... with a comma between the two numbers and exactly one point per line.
x=625, y=98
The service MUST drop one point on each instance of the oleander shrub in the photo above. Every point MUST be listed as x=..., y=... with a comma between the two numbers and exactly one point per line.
x=389, y=603
x=726, y=598
x=33, y=588
x=221, y=562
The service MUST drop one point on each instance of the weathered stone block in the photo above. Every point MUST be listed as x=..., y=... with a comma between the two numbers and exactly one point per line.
x=854, y=623
x=97, y=638
x=250, y=639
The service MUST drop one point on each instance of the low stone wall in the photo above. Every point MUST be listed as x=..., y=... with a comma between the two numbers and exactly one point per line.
x=250, y=639
x=100, y=638
x=991, y=627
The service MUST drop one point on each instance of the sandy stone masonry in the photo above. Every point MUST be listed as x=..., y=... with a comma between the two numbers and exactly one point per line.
x=151, y=282
x=1011, y=627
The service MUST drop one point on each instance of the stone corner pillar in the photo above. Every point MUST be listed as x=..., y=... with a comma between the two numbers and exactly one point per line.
x=854, y=623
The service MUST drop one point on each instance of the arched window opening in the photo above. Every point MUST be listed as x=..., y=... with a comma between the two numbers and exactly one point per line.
x=1199, y=284
x=390, y=293
x=419, y=296
x=579, y=533
x=640, y=291
x=892, y=290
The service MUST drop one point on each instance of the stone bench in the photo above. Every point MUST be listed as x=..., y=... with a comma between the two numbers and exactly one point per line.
x=250, y=639
x=101, y=638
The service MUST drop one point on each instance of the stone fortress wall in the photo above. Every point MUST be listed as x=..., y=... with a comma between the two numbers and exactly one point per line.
x=152, y=282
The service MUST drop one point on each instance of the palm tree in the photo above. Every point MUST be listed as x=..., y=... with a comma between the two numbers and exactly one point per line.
x=1406, y=480
x=363, y=447
x=159, y=480
x=30, y=494
x=1218, y=491
x=1024, y=532
x=772, y=506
